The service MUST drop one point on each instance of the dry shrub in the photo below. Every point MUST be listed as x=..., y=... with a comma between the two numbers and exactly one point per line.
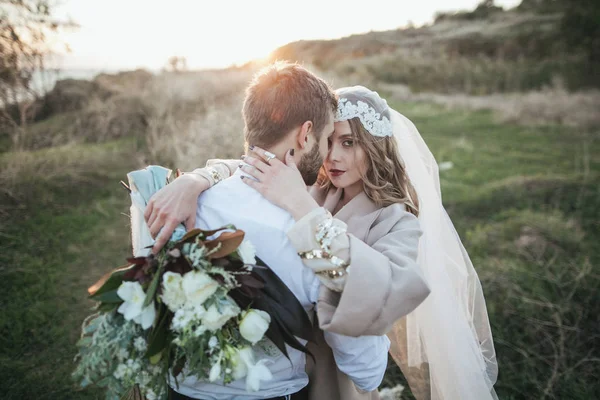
x=196, y=116
x=552, y=105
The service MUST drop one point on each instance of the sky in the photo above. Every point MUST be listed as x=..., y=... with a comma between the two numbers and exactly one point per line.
x=127, y=34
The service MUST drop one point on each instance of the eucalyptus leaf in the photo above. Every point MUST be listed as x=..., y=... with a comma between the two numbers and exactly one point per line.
x=84, y=341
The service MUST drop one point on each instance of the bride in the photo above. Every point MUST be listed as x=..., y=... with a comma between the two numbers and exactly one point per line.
x=379, y=178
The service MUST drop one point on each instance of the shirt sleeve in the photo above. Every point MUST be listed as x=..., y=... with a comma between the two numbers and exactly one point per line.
x=324, y=246
x=363, y=359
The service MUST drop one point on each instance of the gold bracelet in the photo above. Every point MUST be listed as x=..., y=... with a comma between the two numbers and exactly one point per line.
x=340, y=264
x=214, y=174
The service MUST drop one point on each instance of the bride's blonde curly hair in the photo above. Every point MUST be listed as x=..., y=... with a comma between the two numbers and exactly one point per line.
x=385, y=181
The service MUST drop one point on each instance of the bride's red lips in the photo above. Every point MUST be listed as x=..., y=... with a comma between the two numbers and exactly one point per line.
x=336, y=172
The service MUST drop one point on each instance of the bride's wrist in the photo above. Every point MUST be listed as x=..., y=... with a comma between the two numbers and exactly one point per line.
x=197, y=182
x=302, y=206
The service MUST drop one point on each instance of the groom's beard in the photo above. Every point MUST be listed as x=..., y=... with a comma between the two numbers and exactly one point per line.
x=310, y=164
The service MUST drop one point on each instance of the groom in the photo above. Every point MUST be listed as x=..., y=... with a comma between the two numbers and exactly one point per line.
x=286, y=109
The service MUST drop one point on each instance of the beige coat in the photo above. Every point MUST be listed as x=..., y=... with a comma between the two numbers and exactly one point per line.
x=383, y=284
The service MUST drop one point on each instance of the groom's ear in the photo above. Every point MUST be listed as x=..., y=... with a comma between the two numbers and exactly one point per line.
x=305, y=131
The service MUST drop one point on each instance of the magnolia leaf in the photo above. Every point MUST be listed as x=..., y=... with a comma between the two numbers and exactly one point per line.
x=210, y=233
x=109, y=281
x=107, y=307
x=153, y=286
x=229, y=242
x=191, y=234
x=159, y=336
x=108, y=297
x=284, y=303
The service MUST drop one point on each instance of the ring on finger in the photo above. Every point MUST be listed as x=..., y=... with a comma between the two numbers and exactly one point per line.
x=269, y=156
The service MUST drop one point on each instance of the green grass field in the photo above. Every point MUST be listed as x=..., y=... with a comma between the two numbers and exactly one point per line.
x=525, y=201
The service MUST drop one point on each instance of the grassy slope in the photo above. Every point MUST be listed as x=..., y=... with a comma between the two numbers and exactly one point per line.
x=62, y=236
x=505, y=178
x=526, y=202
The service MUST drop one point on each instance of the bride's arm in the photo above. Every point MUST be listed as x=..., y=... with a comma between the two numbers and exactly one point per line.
x=177, y=202
x=216, y=170
x=367, y=287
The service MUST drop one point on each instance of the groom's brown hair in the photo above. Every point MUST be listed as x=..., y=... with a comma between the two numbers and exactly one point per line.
x=281, y=97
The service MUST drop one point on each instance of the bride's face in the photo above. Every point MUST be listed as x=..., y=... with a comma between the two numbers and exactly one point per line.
x=345, y=160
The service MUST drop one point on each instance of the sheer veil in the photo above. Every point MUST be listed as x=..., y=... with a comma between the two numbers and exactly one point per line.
x=445, y=347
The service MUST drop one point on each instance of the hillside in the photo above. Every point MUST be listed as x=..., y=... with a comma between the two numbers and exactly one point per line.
x=500, y=51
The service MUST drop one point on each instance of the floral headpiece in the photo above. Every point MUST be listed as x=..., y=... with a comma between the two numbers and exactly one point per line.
x=349, y=106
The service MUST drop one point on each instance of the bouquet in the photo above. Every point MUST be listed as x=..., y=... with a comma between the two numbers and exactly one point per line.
x=196, y=308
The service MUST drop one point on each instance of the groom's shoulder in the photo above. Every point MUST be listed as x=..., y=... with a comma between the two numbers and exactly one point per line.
x=236, y=196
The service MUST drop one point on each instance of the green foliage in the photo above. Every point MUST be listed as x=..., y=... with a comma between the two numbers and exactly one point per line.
x=524, y=200
x=527, y=209
x=581, y=29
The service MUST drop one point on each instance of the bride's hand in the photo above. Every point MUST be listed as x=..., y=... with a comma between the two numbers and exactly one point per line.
x=172, y=205
x=281, y=184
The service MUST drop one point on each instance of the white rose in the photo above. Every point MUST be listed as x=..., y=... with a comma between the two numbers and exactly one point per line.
x=198, y=287
x=173, y=295
x=214, y=320
x=247, y=252
x=133, y=297
x=254, y=325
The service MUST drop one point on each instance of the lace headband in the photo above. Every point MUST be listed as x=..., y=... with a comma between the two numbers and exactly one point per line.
x=375, y=123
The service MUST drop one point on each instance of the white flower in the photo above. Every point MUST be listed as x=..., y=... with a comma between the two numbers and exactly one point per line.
x=122, y=355
x=198, y=312
x=155, y=370
x=182, y=318
x=215, y=371
x=143, y=379
x=133, y=299
x=198, y=287
x=140, y=344
x=247, y=252
x=213, y=342
x=215, y=319
x=121, y=371
x=199, y=330
x=239, y=366
x=173, y=295
x=150, y=395
x=256, y=371
x=134, y=365
x=254, y=325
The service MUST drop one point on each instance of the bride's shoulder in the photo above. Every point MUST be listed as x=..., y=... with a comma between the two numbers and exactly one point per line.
x=396, y=213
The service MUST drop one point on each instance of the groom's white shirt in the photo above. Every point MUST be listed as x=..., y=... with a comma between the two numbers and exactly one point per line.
x=363, y=359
